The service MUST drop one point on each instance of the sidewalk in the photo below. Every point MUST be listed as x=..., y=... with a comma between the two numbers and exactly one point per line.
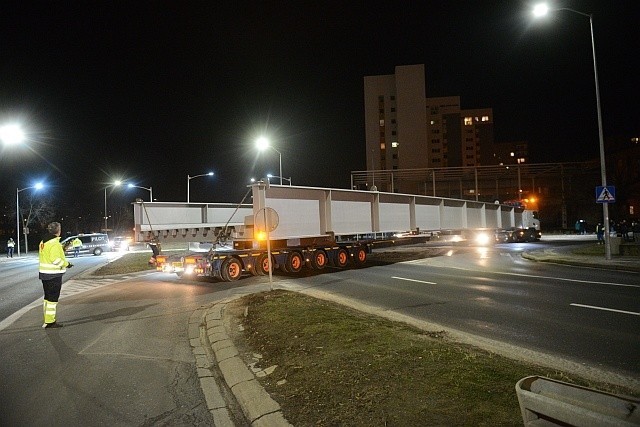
x=560, y=256
x=224, y=377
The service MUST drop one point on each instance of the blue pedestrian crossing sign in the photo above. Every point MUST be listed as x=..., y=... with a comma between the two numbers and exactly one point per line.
x=605, y=194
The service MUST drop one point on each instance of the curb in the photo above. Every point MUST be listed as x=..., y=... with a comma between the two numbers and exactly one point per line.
x=213, y=348
x=553, y=257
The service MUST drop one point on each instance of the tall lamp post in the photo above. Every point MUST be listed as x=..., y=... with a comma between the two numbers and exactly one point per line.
x=149, y=189
x=189, y=178
x=38, y=186
x=115, y=184
x=541, y=10
x=262, y=144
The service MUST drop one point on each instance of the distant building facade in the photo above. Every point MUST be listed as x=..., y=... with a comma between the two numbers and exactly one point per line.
x=405, y=129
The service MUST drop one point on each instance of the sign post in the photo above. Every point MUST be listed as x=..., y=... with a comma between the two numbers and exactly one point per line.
x=267, y=220
x=606, y=194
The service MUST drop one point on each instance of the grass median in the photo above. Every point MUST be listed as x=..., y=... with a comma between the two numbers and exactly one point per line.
x=337, y=366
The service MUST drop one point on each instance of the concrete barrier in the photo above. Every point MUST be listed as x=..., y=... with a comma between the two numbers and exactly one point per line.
x=547, y=402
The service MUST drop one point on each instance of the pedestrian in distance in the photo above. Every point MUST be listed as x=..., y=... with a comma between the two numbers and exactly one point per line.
x=10, y=245
x=600, y=233
x=76, y=244
x=53, y=265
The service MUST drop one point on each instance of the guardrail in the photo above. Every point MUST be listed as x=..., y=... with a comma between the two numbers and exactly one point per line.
x=544, y=401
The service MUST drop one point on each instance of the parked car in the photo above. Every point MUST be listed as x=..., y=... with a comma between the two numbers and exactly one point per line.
x=94, y=243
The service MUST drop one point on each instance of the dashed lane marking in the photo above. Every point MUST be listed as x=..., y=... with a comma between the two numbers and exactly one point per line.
x=605, y=309
x=413, y=280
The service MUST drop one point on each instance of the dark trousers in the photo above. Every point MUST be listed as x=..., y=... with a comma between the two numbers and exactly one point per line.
x=10, y=252
x=52, y=288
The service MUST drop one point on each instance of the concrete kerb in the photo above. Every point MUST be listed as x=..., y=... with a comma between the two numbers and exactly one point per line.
x=213, y=348
x=552, y=256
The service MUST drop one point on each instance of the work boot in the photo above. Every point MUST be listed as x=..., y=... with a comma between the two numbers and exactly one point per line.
x=52, y=325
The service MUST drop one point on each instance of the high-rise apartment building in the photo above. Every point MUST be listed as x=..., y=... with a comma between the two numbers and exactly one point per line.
x=405, y=129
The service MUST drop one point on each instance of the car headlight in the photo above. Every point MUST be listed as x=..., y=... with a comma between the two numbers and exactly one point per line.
x=482, y=239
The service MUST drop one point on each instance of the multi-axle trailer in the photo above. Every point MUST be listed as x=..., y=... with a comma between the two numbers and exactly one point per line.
x=306, y=227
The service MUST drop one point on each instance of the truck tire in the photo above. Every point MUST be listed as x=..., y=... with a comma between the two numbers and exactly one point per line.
x=360, y=256
x=231, y=270
x=97, y=251
x=261, y=266
x=295, y=262
x=341, y=259
x=318, y=259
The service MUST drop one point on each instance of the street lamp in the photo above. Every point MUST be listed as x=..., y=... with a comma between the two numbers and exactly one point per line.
x=269, y=176
x=262, y=144
x=38, y=186
x=541, y=10
x=11, y=134
x=115, y=184
x=189, y=178
x=149, y=189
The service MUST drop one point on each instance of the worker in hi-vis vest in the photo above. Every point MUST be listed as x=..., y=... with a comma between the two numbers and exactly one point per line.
x=53, y=265
x=76, y=244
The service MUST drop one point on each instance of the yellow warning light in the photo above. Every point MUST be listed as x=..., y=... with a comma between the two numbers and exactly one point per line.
x=261, y=235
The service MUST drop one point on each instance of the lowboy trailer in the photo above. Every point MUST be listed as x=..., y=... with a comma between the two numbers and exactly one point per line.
x=311, y=227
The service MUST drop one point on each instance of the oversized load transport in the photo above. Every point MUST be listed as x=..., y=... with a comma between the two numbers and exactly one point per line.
x=312, y=211
x=315, y=226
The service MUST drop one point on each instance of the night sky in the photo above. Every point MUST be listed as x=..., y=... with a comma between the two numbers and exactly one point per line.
x=151, y=91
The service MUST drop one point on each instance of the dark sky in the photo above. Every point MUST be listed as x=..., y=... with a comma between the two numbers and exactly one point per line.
x=151, y=91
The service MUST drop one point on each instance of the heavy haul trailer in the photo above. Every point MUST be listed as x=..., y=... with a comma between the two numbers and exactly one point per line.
x=312, y=225
x=229, y=265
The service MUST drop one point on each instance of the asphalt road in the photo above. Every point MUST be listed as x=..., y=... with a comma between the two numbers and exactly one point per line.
x=587, y=315
x=123, y=357
x=20, y=285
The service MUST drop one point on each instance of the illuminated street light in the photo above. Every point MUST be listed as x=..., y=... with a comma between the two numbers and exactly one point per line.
x=149, y=189
x=262, y=144
x=115, y=184
x=269, y=176
x=539, y=11
x=37, y=186
x=11, y=134
x=189, y=178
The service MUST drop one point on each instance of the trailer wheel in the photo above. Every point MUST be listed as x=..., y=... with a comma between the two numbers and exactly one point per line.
x=360, y=256
x=342, y=258
x=295, y=262
x=231, y=270
x=261, y=266
x=319, y=259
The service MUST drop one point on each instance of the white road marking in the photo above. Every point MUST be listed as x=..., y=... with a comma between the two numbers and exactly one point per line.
x=533, y=276
x=413, y=280
x=604, y=309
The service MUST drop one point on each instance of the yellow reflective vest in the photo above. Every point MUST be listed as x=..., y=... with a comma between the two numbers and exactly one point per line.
x=76, y=243
x=52, y=259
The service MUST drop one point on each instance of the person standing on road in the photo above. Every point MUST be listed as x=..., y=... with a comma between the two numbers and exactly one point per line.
x=53, y=265
x=76, y=247
x=600, y=233
x=10, y=245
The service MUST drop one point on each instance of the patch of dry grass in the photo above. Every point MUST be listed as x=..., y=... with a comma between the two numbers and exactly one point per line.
x=337, y=366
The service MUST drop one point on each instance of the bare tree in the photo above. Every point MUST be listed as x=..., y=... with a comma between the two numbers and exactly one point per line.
x=37, y=210
x=122, y=220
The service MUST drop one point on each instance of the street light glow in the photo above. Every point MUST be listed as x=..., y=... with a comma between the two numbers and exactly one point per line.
x=11, y=134
x=262, y=143
x=540, y=9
